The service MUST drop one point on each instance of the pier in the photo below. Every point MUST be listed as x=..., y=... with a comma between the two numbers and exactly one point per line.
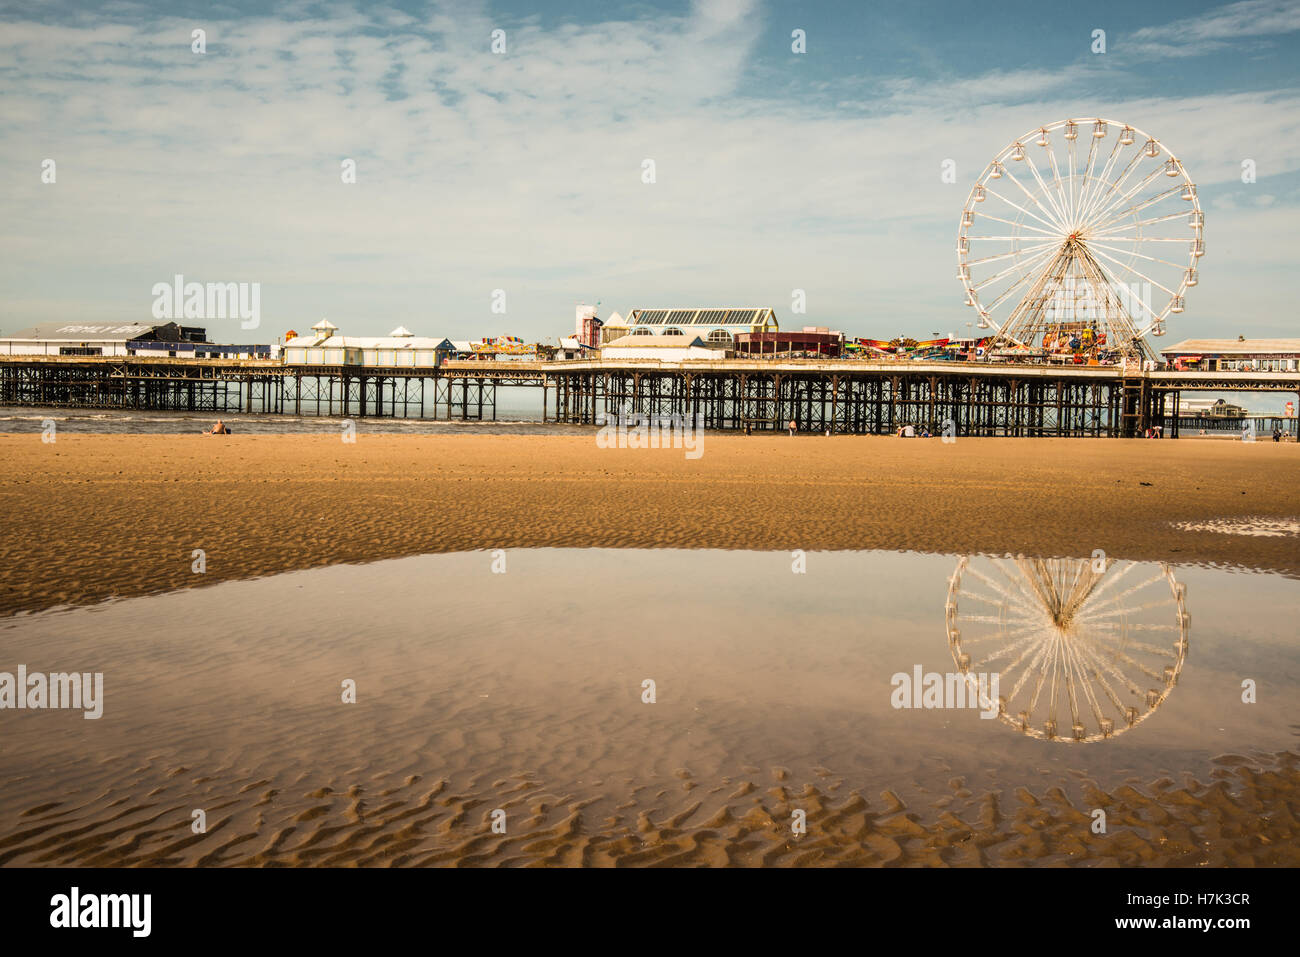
x=842, y=396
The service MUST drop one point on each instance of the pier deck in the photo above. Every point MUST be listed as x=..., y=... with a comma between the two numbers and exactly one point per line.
x=837, y=395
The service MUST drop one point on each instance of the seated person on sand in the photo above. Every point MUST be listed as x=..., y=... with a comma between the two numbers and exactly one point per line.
x=218, y=429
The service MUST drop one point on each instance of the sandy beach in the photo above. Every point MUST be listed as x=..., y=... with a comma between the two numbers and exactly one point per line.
x=481, y=694
x=90, y=517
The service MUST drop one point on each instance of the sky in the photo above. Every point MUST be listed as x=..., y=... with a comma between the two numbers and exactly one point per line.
x=523, y=171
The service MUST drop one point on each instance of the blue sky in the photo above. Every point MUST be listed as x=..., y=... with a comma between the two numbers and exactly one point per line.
x=523, y=171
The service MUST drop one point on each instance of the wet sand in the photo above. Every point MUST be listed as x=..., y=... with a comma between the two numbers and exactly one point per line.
x=227, y=700
x=90, y=517
x=1239, y=815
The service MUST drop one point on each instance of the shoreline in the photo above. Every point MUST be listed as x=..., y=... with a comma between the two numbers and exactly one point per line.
x=91, y=517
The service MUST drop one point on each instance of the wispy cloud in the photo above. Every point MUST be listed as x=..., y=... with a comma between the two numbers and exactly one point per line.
x=524, y=171
x=1217, y=30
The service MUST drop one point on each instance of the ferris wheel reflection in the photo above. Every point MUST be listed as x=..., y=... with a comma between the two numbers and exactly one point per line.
x=1085, y=649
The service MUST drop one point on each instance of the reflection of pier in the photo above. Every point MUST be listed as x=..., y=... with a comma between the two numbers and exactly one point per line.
x=841, y=395
x=1084, y=649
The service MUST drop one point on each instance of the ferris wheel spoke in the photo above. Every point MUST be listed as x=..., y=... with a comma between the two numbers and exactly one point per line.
x=1108, y=626
x=1103, y=179
x=1118, y=183
x=1071, y=695
x=1109, y=663
x=1130, y=591
x=1010, y=222
x=1076, y=667
x=1134, y=296
x=1014, y=267
x=1087, y=177
x=1036, y=663
x=1118, y=187
x=1013, y=589
x=1059, y=182
x=1141, y=646
x=1069, y=150
x=1002, y=637
x=1082, y=666
x=1154, y=239
x=1047, y=193
x=1102, y=215
x=1007, y=593
x=1128, y=626
x=1056, y=671
x=1122, y=655
x=1026, y=647
x=1136, y=272
x=1009, y=649
x=1027, y=212
x=1014, y=286
x=1132, y=291
x=1181, y=214
x=1134, y=252
x=1111, y=579
x=992, y=620
x=1100, y=224
x=1027, y=582
x=1117, y=232
x=1034, y=199
x=986, y=599
x=1118, y=318
x=1049, y=663
x=1096, y=615
x=1014, y=252
x=1102, y=669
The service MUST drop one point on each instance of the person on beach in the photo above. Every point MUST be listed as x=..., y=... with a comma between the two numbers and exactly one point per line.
x=218, y=429
x=793, y=427
x=1277, y=434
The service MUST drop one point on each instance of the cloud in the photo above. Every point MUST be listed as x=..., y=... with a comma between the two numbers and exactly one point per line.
x=524, y=171
x=1216, y=29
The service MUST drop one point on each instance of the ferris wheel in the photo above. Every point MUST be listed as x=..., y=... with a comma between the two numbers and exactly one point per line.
x=1083, y=649
x=1083, y=236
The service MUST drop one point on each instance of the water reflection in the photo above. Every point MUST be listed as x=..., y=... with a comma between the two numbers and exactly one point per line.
x=1085, y=649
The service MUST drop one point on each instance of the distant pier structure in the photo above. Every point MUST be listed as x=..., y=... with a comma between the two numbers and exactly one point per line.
x=167, y=367
x=132, y=365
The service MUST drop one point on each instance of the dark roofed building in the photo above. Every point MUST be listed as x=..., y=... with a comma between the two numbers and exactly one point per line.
x=102, y=339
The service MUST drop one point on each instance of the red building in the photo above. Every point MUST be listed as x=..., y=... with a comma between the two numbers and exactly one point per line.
x=812, y=341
